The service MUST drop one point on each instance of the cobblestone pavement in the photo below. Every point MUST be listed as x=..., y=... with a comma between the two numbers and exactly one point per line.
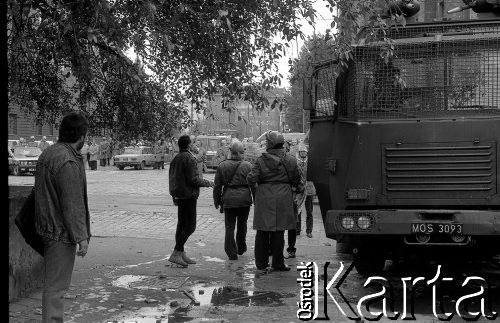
x=134, y=203
x=133, y=224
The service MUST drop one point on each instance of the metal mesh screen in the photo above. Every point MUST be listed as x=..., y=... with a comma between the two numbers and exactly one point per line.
x=434, y=74
x=325, y=92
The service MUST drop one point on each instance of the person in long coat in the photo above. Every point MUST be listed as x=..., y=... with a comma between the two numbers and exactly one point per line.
x=276, y=178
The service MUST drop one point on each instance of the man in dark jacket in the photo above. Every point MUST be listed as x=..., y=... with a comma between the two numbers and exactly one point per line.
x=184, y=186
x=277, y=176
x=232, y=194
x=61, y=211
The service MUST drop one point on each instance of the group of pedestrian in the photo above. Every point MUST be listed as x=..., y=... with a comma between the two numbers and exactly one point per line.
x=62, y=216
x=274, y=183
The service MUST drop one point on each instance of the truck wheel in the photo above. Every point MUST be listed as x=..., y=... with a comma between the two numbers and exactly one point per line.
x=368, y=261
x=16, y=171
x=121, y=167
x=142, y=165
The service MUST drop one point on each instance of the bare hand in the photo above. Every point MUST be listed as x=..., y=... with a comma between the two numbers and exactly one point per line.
x=83, y=247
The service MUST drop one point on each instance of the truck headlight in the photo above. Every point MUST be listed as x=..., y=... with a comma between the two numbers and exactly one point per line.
x=348, y=223
x=364, y=222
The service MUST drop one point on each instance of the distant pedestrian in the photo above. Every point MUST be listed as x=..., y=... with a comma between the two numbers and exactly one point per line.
x=276, y=176
x=84, y=152
x=184, y=186
x=232, y=195
x=201, y=156
x=163, y=151
x=32, y=142
x=93, y=155
x=43, y=144
x=222, y=152
x=61, y=212
x=309, y=195
x=103, y=151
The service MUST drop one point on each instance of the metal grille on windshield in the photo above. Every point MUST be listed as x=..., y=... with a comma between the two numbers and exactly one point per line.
x=440, y=73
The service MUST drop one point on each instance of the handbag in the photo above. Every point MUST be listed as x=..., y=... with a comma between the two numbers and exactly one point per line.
x=25, y=222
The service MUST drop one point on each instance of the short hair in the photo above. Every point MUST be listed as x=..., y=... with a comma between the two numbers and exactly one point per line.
x=73, y=126
x=183, y=142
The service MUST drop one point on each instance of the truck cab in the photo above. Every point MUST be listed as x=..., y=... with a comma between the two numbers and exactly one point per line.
x=403, y=151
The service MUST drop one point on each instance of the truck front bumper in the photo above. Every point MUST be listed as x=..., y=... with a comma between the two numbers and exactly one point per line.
x=403, y=222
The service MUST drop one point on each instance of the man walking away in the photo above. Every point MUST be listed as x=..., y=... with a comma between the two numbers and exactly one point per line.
x=61, y=211
x=184, y=186
x=276, y=174
x=232, y=194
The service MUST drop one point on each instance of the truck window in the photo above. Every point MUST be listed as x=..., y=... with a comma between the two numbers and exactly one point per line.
x=420, y=81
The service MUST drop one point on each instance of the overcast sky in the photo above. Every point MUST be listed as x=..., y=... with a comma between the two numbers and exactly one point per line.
x=322, y=23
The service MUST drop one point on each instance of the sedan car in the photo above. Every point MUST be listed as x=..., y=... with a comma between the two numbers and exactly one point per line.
x=138, y=157
x=23, y=159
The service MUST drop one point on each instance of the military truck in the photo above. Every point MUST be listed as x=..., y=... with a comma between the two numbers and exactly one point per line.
x=403, y=151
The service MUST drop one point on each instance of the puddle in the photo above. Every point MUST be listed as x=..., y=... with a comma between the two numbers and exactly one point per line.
x=150, y=282
x=158, y=314
x=214, y=259
x=217, y=295
x=146, y=263
x=126, y=280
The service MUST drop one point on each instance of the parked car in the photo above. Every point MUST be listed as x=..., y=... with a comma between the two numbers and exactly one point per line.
x=138, y=157
x=23, y=160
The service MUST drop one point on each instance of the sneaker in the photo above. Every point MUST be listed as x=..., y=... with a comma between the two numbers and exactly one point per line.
x=291, y=254
x=176, y=258
x=187, y=260
x=309, y=235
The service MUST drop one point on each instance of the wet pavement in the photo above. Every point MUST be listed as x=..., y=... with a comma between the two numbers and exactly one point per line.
x=126, y=277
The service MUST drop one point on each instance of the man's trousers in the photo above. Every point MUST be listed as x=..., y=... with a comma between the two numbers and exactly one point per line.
x=59, y=259
x=186, y=222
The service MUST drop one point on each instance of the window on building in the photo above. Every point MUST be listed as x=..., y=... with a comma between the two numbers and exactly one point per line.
x=51, y=130
x=12, y=124
x=39, y=129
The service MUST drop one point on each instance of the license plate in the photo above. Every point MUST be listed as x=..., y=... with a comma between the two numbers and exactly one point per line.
x=31, y=169
x=437, y=228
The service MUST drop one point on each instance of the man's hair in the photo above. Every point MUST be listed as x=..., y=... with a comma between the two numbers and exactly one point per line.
x=73, y=126
x=184, y=142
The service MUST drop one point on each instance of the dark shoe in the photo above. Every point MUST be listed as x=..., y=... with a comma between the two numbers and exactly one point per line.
x=291, y=254
x=309, y=235
x=176, y=258
x=186, y=259
x=297, y=233
x=233, y=257
x=263, y=268
x=282, y=268
x=242, y=252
